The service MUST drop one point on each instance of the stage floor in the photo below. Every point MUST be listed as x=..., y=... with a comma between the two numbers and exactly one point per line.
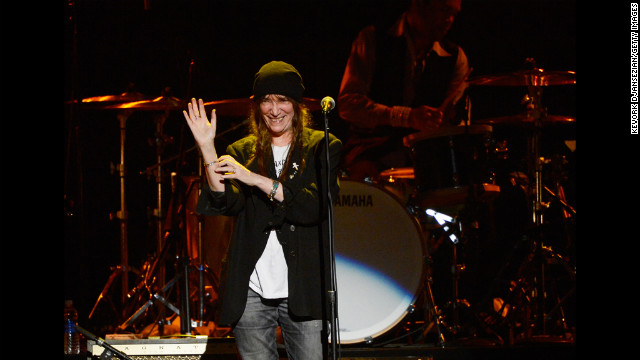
x=224, y=348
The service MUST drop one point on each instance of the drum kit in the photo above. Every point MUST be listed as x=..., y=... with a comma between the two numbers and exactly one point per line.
x=385, y=228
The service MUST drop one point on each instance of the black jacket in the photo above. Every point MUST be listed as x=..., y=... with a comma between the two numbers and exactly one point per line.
x=300, y=222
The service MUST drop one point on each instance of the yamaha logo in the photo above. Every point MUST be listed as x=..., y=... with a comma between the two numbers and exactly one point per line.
x=354, y=200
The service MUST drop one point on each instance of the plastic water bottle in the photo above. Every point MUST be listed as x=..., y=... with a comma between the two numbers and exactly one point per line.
x=71, y=335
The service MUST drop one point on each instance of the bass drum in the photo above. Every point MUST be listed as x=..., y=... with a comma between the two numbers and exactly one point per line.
x=379, y=261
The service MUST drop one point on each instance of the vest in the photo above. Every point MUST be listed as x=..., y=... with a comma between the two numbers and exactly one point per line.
x=388, y=81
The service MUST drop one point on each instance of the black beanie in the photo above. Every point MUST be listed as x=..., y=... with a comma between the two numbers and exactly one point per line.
x=280, y=78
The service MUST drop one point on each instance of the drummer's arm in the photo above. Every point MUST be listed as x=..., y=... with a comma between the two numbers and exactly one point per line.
x=455, y=93
x=354, y=103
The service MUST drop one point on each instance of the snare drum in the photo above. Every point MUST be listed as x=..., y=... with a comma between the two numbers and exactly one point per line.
x=379, y=261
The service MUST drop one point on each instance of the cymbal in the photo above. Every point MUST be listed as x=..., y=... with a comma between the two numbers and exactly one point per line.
x=240, y=107
x=534, y=77
x=159, y=103
x=527, y=119
x=103, y=101
x=231, y=107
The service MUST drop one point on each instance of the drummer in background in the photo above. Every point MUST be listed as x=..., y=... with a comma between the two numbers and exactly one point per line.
x=394, y=82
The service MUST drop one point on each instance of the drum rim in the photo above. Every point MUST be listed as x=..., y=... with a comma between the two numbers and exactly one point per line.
x=475, y=129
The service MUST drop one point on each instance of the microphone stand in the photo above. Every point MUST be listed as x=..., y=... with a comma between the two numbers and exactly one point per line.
x=332, y=282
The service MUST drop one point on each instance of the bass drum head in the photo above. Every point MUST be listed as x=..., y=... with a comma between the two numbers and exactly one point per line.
x=379, y=261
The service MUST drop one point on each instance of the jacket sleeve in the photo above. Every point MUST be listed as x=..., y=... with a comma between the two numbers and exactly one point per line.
x=228, y=202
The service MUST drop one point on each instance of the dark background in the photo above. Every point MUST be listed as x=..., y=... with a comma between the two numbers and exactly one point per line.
x=111, y=45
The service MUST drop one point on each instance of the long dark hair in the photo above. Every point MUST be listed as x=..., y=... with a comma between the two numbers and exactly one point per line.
x=257, y=127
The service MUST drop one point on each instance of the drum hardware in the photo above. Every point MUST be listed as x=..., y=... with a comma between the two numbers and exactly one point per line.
x=157, y=294
x=401, y=173
x=159, y=297
x=451, y=170
x=102, y=102
x=165, y=103
x=398, y=181
x=518, y=311
x=431, y=304
x=170, y=231
x=185, y=266
x=537, y=113
x=449, y=164
x=121, y=215
x=533, y=77
x=526, y=119
x=203, y=269
x=161, y=103
x=539, y=318
x=150, y=169
x=534, y=117
x=160, y=141
x=155, y=271
x=452, y=227
x=126, y=103
x=123, y=269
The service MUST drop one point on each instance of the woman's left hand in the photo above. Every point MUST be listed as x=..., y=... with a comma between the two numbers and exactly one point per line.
x=229, y=168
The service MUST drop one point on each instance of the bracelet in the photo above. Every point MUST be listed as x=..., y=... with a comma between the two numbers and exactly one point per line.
x=206, y=165
x=273, y=190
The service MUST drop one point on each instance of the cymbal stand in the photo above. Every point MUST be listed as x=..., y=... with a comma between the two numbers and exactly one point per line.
x=160, y=141
x=538, y=113
x=172, y=235
x=158, y=296
x=147, y=282
x=539, y=317
x=122, y=214
x=123, y=268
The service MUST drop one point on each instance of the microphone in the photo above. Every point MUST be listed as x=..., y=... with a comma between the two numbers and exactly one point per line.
x=327, y=104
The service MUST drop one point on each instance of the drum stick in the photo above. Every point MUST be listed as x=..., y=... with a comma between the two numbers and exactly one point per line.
x=449, y=99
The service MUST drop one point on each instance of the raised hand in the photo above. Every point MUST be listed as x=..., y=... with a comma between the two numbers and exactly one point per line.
x=204, y=132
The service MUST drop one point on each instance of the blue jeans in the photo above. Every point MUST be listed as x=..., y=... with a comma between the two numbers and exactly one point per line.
x=255, y=332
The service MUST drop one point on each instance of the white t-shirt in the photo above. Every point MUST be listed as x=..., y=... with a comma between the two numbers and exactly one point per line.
x=269, y=277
